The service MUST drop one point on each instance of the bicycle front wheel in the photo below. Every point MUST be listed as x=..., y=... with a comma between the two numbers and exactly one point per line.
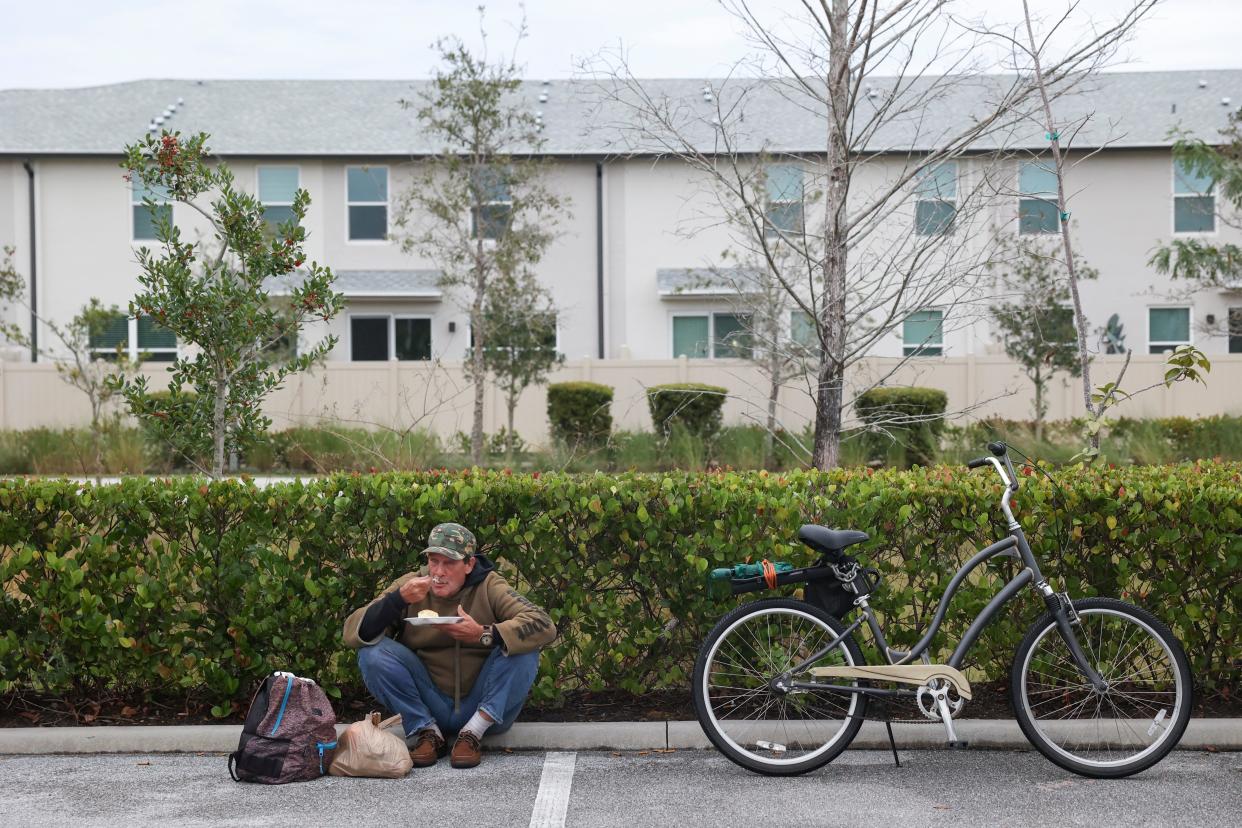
x=1118, y=732
x=757, y=725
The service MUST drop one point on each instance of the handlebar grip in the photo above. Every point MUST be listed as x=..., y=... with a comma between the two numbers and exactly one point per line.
x=981, y=461
x=997, y=448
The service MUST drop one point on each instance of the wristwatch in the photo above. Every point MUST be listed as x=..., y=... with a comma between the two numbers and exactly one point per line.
x=486, y=638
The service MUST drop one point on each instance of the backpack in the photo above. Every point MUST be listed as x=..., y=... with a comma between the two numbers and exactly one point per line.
x=289, y=734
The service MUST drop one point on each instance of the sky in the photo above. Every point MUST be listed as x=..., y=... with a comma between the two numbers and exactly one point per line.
x=72, y=43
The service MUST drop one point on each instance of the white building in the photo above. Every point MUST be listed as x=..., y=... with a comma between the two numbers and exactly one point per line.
x=619, y=261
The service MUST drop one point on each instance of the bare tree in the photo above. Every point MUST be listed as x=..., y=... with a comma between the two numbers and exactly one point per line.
x=1032, y=56
x=867, y=253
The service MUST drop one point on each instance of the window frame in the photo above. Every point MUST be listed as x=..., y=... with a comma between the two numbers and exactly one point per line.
x=711, y=333
x=770, y=230
x=1230, y=337
x=951, y=225
x=133, y=225
x=476, y=224
x=390, y=334
x=431, y=335
x=1022, y=196
x=1190, y=329
x=470, y=336
x=258, y=186
x=387, y=204
x=1173, y=207
x=132, y=349
x=349, y=330
x=921, y=349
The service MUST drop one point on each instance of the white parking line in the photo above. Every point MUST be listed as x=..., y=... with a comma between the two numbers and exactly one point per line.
x=552, y=801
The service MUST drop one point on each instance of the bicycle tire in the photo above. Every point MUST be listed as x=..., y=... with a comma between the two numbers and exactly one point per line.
x=815, y=711
x=1121, y=731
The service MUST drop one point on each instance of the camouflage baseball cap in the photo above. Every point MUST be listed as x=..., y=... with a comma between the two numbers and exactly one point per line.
x=452, y=540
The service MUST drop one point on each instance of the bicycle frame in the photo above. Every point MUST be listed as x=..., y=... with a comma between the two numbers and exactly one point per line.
x=1016, y=546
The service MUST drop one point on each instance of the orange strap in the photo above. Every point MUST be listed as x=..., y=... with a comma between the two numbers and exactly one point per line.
x=769, y=574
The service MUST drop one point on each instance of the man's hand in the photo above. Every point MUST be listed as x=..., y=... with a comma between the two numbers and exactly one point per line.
x=467, y=629
x=415, y=589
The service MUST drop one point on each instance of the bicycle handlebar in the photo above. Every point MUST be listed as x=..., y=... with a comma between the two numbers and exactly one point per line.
x=979, y=462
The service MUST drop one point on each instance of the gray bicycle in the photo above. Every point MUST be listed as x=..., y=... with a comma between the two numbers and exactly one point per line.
x=1099, y=686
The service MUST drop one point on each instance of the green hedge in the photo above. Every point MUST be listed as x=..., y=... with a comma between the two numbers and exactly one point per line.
x=175, y=586
x=580, y=411
x=692, y=404
x=913, y=417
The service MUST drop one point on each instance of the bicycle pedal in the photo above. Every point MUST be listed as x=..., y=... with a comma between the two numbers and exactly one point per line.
x=958, y=744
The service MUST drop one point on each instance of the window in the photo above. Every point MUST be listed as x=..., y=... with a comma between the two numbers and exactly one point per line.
x=548, y=337
x=103, y=341
x=1194, y=204
x=496, y=205
x=690, y=336
x=716, y=335
x=373, y=337
x=1167, y=328
x=936, y=192
x=412, y=337
x=1037, y=207
x=923, y=334
x=1235, y=330
x=802, y=329
x=784, y=185
x=367, y=203
x=145, y=217
x=155, y=343
x=1057, y=327
x=277, y=186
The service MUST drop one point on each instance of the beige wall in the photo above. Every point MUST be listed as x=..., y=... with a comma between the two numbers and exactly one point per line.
x=436, y=396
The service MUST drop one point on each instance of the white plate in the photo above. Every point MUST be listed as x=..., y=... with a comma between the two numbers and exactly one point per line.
x=439, y=619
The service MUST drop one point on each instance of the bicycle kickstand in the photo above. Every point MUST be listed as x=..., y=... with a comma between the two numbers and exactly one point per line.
x=888, y=725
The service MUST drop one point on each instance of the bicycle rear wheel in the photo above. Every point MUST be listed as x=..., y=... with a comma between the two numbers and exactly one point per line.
x=751, y=722
x=1125, y=729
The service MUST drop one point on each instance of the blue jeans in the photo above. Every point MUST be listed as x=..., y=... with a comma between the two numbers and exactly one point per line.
x=397, y=677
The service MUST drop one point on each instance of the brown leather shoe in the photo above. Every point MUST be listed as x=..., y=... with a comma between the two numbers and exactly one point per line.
x=467, y=752
x=428, y=748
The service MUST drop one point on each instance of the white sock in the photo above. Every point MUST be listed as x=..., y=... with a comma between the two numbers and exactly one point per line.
x=478, y=724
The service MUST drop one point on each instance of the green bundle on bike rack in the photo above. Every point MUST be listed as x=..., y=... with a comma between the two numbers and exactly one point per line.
x=745, y=570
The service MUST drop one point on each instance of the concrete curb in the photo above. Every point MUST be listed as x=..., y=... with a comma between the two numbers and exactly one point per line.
x=1219, y=734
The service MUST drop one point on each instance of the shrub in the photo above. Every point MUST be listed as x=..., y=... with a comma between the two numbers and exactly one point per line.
x=912, y=418
x=694, y=405
x=200, y=590
x=579, y=412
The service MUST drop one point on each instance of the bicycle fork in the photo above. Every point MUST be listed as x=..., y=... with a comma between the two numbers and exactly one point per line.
x=1062, y=610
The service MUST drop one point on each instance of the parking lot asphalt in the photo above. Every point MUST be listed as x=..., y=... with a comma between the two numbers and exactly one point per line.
x=627, y=788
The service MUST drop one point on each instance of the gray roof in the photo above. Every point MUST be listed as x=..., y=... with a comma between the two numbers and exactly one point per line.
x=361, y=284
x=363, y=118
x=691, y=282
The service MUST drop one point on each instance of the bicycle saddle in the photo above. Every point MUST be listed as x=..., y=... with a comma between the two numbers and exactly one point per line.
x=823, y=539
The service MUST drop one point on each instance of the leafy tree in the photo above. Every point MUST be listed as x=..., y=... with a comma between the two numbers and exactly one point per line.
x=479, y=208
x=520, y=319
x=218, y=302
x=1035, y=323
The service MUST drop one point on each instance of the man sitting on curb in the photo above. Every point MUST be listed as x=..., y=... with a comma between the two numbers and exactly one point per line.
x=466, y=677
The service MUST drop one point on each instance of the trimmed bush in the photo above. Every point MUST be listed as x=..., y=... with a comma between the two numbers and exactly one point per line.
x=694, y=405
x=200, y=589
x=579, y=412
x=912, y=417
